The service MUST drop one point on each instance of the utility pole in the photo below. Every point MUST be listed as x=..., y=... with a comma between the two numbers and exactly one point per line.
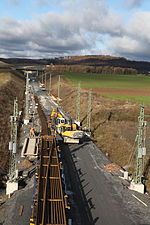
x=78, y=102
x=45, y=79
x=42, y=77
x=26, y=121
x=58, y=91
x=89, y=110
x=141, y=150
x=13, y=142
x=12, y=183
x=50, y=83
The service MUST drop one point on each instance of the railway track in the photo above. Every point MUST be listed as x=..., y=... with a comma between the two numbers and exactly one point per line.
x=50, y=203
x=43, y=119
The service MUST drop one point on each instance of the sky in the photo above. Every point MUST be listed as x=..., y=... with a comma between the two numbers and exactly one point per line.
x=53, y=28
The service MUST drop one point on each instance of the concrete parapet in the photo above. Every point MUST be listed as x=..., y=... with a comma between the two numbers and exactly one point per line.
x=11, y=187
x=137, y=187
x=26, y=122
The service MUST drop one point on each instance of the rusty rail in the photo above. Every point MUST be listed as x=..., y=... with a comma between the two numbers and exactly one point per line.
x=50, y=204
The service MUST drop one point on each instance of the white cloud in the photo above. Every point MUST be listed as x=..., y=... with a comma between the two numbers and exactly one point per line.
x=74, y=30
x=133, y=3
x=139, y=27
x=124, y=45
x=80, y=27
x=14, y=2
x=135, y=40
x=42, y=2
x=130, y=48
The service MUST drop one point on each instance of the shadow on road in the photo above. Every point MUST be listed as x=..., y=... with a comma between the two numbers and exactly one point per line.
x=76, y=177
x=78, y=147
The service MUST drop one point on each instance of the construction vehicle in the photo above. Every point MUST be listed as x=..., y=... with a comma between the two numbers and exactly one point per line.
x=68, y=129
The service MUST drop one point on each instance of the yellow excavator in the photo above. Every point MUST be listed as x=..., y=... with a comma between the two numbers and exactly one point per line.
x=69, y=130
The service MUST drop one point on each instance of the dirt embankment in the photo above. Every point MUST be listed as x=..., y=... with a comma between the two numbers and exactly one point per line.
x=113, y=123
x=11, y=86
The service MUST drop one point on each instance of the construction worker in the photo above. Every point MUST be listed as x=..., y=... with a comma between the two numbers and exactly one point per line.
x=32, y=132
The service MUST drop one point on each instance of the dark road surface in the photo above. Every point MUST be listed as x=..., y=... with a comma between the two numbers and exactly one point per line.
x=12, y=214
x=98, y=201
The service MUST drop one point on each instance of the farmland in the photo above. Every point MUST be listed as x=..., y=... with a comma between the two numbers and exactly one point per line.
x=124, y=87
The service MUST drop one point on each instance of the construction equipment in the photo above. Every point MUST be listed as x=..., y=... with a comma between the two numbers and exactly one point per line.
x=69, y=130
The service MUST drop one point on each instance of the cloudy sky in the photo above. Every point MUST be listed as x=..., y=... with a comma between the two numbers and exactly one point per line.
x=48, y=28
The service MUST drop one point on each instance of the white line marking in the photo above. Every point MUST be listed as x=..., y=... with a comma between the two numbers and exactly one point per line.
x=94, y=160
x=140, y=200
x=78, y=158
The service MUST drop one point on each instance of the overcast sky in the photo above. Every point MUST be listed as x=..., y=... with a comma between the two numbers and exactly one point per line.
x=48, y=28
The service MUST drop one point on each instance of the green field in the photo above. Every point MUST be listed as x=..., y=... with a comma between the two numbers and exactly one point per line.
x=123, y=87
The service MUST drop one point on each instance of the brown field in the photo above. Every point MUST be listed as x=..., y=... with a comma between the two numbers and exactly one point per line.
x=127, y=92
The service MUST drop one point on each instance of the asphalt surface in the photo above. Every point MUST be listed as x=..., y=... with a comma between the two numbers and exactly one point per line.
x=11, y=212
x=98, y=201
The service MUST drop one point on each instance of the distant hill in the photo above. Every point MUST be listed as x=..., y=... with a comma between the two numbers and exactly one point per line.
x=104, y=61
x=4, y=65
x=101, y=62
x=22, y=61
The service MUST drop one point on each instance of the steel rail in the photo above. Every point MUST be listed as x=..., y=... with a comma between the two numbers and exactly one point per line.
x=45, y=188
x=51, y=204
